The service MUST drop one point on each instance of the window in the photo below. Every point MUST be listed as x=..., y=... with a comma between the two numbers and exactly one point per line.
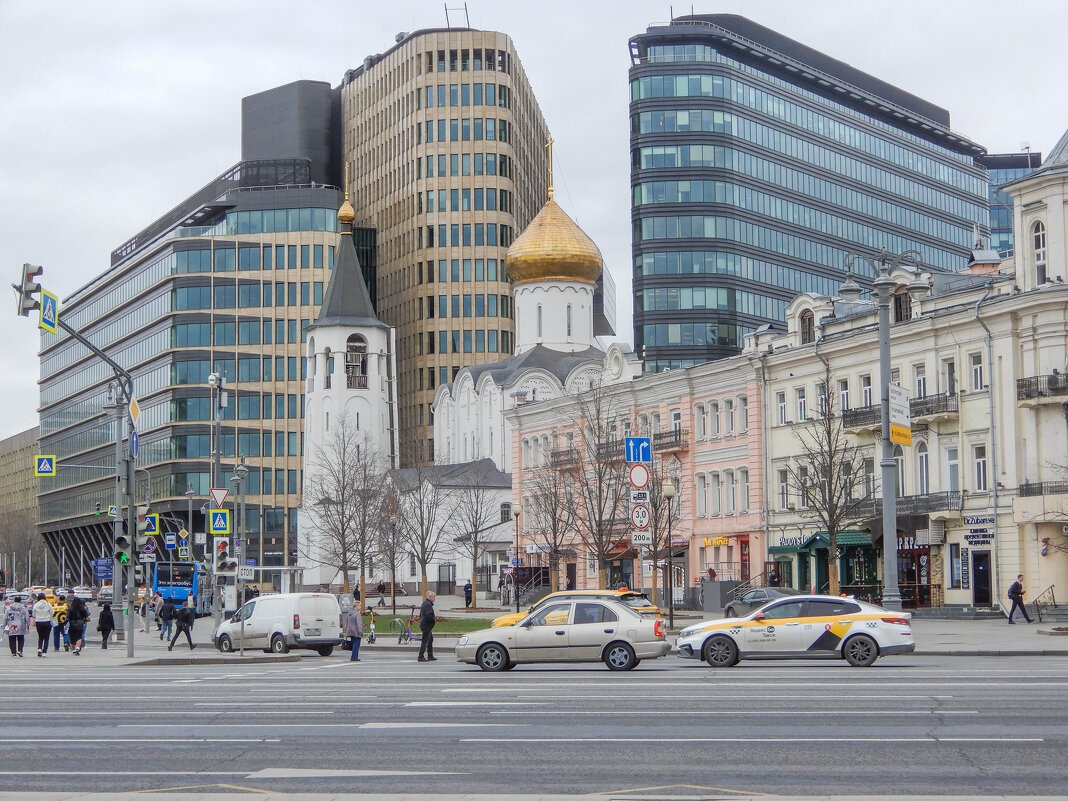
x=980, y=468
x=949, y=369
x=743, y=490
x=865, y=390
x=594, y=613
x=713, y=413
x=569, y=321
x=920, y=374
x=553, y=615
x=902, y=306
x=700, y=483
x=728, y=413
x=780, y=399
x=923, y=479
x=714, y=494
x=802, y=405
x=805, y=488
x=952, y=470
x=808, y=327
x=1038, y=241
x=539, y=321
x=899, y=469
x=676, y=420
x=784, y=490
x=743, y=414
x=954, y=566
x=976, y=360
x=821, y=395
x=700, y=421
x=830, y=608
x=869, y=478
x=729, y=494
x=843, y=395
x=784, y=610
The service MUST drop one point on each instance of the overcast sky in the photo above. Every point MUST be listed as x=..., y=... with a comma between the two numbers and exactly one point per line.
x=114, y=112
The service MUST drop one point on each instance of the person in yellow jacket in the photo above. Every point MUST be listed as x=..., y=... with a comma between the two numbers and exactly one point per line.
x=59, y=630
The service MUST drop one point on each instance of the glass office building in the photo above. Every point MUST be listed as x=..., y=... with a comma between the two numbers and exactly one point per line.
x=226, y=283
x=758, y=164
x=1004, y=168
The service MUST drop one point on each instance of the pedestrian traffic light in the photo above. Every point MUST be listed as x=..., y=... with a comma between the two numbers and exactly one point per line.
x=122, y=549
x=27, y=288
x=98, y=507
x=224, y=561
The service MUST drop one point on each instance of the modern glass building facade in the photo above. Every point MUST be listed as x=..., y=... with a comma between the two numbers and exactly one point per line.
x=758, y=164
x=1004, y=168
x=224, y=283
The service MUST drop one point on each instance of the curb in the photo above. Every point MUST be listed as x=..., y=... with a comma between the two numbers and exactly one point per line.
x=258, y=659
x=977, y=652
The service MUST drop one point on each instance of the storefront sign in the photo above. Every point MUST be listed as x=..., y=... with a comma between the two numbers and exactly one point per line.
x=790, y=542
x=979, y=537
x=978, y=521
x=965, y=569
x=907, y=543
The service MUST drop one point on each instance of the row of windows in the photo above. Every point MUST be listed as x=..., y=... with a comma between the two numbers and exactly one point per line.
x=268, y=221
x=198, y=446
x=727, y=334
x=669, y=298
x=231, y=255
x=246, y=295
x=477, y=129
x=462, y=200
x=466, y=235
x=449, y=270
x=465, y=94
x=243, y=332
x=711, y=424
x=452, y=164
x=246, y=407
x=743, y=197
x=778, y=175
x=466, y=342
x=473, y=306
x=802, y=149
x=94, y=371
x=95, y=437
x=717, y=263
x=464, y=60
x=722, y=493
x=850, y=111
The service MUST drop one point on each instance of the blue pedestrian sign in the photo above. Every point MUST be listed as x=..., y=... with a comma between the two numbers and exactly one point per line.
x=639, y=449
x=44, y=466
x=49, y=312
x=169, y=541
x=113, y=511
x=135, y=444
x=220, y=521
x=152, y=524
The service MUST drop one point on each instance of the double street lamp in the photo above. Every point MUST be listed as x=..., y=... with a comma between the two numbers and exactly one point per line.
x=668, y=490
x=515, y=560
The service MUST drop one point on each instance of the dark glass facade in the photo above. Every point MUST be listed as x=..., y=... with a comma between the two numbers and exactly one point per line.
x=1005, y=168
x=758, y=164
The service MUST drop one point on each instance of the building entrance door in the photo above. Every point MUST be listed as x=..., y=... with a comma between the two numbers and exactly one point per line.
x=743, y=549
x=981, y=579
x=913, y=572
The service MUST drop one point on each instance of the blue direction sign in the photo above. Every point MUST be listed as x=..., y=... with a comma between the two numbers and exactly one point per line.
x=44, y=466
x=169, y=541
x=102, y=568
x=220, y=521
x=639, y=449
x=135, y=444
x=49, y=311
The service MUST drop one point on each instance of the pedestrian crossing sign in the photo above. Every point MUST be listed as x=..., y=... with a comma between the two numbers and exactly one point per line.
x=152, y=524
x=49, y=311
x=183, y=551
x=44, y=466
x=220, y=521
x=113, y=511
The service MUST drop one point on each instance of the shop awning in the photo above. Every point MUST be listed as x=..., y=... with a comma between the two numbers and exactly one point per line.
x=845, y=539
x=779, y=549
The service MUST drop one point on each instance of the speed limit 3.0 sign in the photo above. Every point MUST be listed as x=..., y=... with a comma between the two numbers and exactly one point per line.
x=639, y=516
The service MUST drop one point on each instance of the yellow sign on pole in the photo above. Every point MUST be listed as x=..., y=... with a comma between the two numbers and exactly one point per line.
x=900, y=417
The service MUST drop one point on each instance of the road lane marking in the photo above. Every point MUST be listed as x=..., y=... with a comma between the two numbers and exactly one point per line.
x=718, y=712
x=353, y=725
x=53, y=740
x=476, y=703
x=328, y=773
x=756, y=740
x=431, y=725
x=753, y=793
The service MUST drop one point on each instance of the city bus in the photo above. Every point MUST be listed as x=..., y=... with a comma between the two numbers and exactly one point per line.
x=176, y=580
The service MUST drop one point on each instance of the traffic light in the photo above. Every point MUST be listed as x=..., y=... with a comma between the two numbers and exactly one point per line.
x=98, y=507
x=27, y=288
x=224, y=560
x=122, y=548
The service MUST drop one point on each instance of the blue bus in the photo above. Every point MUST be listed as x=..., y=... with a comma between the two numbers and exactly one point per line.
x=176, y=580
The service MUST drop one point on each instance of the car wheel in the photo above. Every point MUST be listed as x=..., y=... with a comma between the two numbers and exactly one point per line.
x=226, y=645
x=720, y=652
x=278, y=644
x=511, y=664
x=860, y=651
x=636, y=663
x=492, y=657
x=619, y=656
x=325, y=650
x=730, y=612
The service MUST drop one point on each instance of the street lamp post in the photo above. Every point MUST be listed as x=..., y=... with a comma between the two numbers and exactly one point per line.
x=240, y=474
x=217, y=400
x=883, y=287
x=668, y=491
x=515, y=560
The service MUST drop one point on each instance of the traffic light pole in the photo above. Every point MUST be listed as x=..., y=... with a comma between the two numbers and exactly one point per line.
x=131, y=571
x=116, y=567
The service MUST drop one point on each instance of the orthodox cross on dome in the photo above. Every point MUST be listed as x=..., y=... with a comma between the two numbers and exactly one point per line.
x=549, y=146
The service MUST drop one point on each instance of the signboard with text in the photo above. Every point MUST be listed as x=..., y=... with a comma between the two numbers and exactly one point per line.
x=900, y=415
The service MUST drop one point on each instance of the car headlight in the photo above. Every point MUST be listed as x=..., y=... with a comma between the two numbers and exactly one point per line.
x=463, y=640
x=689, y=632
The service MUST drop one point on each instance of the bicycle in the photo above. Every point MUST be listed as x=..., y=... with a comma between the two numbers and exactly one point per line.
x=403, y=628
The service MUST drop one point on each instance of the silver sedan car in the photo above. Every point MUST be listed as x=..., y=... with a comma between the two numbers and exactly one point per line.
x=569, y=631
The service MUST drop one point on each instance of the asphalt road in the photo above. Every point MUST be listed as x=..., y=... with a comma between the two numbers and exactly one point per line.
x=908, y=725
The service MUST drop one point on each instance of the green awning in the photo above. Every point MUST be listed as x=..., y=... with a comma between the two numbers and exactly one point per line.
x=845, y=539
x=777, y=549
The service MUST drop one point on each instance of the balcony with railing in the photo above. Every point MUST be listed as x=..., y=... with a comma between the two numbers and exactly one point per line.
x=565, y=457
x=863, y=418
x=1041, y=501
x=672, y=440
x=1042, y=389
x=611, y=451
x=930, y=503
x=356, y=381
x=934, y=407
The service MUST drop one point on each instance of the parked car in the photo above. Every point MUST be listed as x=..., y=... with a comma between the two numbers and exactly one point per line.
x=808, y=626
x=280, y=622
x=581, y=630
x=751, y=600
x=104, y=595
x=85, y=593
x=635, y=600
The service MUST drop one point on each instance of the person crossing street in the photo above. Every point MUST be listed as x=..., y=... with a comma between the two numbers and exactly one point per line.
x=1016, y=594
x=42, y=619
x=427, y=618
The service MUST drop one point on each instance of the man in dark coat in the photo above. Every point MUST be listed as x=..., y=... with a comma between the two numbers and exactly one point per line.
x=1016, y=594
x=166, y=616
x=184, y=619
x=427, y=618
x=467, y=594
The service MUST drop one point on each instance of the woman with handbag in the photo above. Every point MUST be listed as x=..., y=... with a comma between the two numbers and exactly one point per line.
x=77, y=617
x=16, y=623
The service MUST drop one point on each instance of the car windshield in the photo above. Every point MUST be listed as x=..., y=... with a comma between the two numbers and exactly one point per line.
x=635, y=601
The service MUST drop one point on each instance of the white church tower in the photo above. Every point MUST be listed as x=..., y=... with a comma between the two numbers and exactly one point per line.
x=351, y=372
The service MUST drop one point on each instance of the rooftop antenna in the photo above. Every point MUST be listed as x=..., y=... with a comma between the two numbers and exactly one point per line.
x=467, y=17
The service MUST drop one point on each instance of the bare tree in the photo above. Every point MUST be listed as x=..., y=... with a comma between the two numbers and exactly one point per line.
x=343, y=498
x=425, y=512
x=20, y=541
x=551, y=513
x=391, y=540
x=828, y=477
x=601, y=475
x=660, y=507
x=476, y=511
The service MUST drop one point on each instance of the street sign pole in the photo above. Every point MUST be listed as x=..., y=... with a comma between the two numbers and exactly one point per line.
x=131, y=572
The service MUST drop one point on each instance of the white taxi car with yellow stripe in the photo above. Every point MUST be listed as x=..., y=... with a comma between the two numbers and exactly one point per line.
x=802, y=627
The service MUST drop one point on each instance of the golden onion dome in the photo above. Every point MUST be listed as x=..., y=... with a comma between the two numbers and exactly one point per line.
x=553, y=247
x=346, y=214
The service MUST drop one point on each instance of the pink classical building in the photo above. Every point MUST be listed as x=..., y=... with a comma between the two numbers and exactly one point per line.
x=705, y=427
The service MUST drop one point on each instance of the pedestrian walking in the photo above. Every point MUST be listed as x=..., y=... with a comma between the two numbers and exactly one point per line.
x=166, y=616
x=467, y=594
x=157, y=605
x=354, y=627
x=184, y=621
x=142, y=612
x=106, y=625
x=427, y=618
x=42, y=620
x=16, y=623
x=1016, y=594
x=59, y=629
x=381, y=592
x=77, y=617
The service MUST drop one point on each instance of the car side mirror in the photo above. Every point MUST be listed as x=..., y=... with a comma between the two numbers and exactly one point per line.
x=758, y=616
x=526, y=624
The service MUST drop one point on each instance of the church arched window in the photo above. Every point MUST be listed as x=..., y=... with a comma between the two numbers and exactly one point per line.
x=569, y=321
x=1038, y=242
x=356, y=362
x=539, y=321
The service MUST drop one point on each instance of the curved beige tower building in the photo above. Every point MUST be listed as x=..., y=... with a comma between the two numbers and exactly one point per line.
x=446, y=148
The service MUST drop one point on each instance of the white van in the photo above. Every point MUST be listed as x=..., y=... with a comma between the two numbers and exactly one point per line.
x=279, y=622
